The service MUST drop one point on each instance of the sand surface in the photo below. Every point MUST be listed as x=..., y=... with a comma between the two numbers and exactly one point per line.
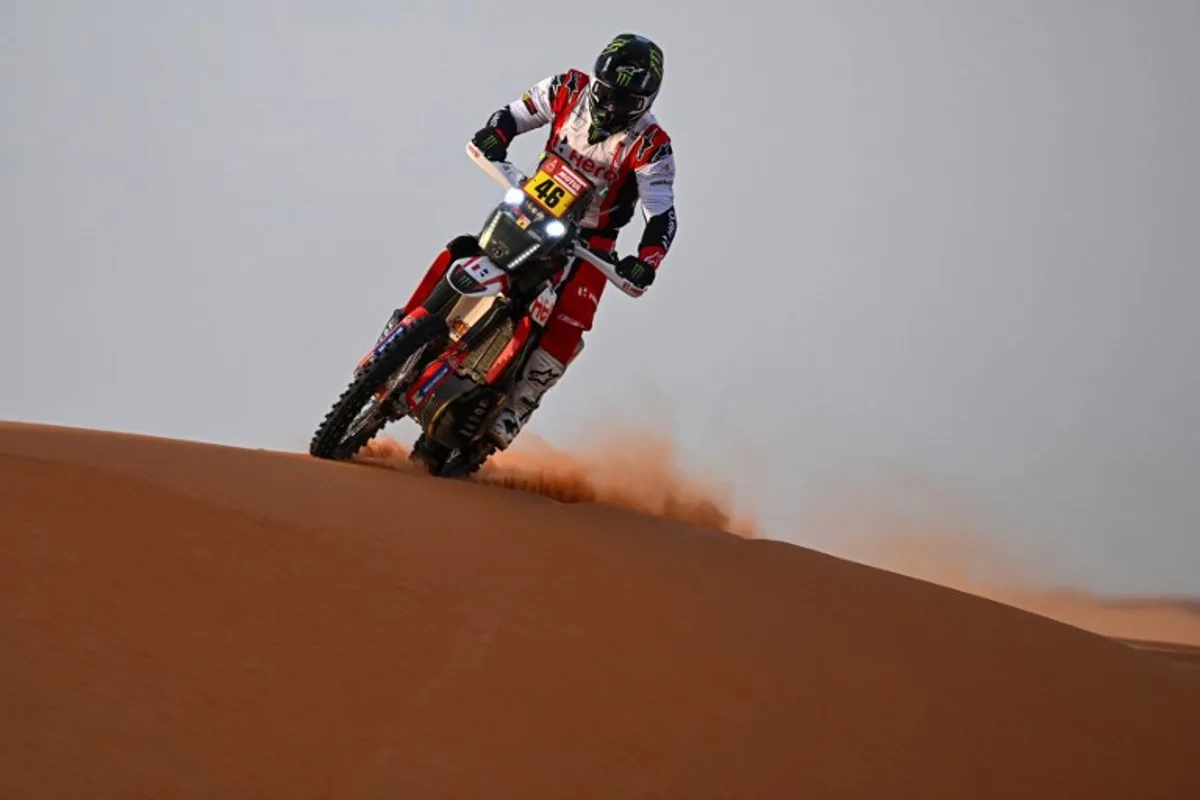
x=185, y=620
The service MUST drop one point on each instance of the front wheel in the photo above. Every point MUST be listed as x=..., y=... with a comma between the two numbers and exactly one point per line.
x=367, y=404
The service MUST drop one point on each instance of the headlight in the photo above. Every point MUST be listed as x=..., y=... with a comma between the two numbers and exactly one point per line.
x=555, y=228
x=514, y=196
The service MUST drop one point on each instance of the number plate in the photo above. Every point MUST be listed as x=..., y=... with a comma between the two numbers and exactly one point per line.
x=555, y=186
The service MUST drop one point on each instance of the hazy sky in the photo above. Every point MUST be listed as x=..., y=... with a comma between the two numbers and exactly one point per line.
x=964, y=236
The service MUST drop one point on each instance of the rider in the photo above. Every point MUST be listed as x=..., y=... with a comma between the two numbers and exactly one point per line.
x=603, y=127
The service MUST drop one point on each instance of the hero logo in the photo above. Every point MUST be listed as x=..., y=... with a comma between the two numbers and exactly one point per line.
x=542, y=307
x=590, y=167
x=591, y=296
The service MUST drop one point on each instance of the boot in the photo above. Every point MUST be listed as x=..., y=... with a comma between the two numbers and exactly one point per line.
x=541, y=371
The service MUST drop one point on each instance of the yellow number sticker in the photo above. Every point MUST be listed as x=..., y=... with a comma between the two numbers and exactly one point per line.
x=555, y=187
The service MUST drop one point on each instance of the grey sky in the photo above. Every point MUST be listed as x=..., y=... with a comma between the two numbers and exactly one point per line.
x=964, y=235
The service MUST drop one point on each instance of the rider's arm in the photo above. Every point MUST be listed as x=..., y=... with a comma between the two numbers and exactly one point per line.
x=539, y=105
x=654, y=168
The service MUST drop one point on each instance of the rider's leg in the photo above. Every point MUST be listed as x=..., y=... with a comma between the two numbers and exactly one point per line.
x=561, y=342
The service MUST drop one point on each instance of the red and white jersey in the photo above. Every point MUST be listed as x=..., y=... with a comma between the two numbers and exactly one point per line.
x=634, y=164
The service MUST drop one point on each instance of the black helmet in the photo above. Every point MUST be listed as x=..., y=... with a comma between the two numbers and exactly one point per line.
x=627, y=76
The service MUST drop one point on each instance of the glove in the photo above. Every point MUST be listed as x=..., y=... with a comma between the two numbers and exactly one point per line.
x=492, y=143
x=636, y=271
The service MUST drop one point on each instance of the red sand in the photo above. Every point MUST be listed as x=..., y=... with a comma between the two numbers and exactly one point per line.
x=185, y=620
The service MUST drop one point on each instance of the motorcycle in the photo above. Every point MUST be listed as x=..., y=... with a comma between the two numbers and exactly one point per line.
x=450, y=363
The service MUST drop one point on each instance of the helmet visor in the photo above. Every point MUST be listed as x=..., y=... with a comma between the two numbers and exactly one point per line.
x=617, y=102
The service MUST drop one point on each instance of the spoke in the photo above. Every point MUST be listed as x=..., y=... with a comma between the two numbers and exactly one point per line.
x=360, y=422
x=374, y=409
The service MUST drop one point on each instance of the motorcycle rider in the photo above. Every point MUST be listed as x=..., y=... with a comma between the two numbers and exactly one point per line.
x=603, y=127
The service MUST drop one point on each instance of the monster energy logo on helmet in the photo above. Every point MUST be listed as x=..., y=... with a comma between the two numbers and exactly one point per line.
x=656, y=60
x=616, y=44
x=629, y=72
x=627, y=55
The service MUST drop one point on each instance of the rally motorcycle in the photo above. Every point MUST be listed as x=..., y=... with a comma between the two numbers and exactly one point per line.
x=450, y=364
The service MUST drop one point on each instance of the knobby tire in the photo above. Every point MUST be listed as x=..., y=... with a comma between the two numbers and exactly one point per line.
x=329, y=441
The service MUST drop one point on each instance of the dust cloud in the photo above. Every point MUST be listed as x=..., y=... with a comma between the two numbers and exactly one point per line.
x=640, y=472
x=940, y=543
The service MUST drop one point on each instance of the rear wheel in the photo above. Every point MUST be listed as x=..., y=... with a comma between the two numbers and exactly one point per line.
x=368, y=402
x=447, y=463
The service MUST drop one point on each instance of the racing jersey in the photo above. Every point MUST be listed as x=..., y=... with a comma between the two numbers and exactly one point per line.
x=633, y=164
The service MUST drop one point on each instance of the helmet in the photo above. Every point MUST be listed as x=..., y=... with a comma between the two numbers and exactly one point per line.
x=626, y=79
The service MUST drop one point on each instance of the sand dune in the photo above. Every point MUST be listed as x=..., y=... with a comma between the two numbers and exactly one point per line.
x=632, y=471
x=643, y=473
x=1188, y=655
x=185, y=620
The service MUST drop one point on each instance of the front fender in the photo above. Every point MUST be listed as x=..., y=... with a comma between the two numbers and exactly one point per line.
x=477, y=276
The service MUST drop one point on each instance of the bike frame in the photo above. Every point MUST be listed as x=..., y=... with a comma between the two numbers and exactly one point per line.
x=493, y=312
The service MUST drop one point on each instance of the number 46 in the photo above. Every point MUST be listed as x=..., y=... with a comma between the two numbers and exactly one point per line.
x=549, y=192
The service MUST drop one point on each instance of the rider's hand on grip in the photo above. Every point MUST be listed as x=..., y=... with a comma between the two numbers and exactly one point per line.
x=636, y=271
x=491, y=143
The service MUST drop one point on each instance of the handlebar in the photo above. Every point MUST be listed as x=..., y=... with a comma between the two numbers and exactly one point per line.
x=509, y=176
